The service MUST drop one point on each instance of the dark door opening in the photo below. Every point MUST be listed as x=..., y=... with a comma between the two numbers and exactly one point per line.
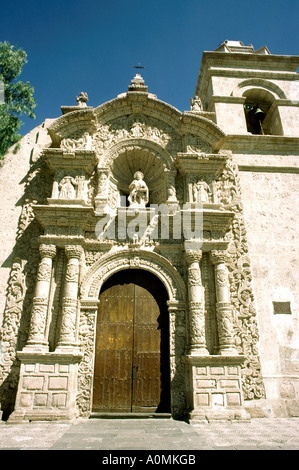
x=132, y=370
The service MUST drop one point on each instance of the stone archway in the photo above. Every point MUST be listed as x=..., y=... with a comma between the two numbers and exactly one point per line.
x=91, y=286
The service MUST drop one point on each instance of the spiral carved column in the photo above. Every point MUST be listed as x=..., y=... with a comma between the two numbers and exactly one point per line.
x=223, y=305
x=197, y=339
x=68, y=330
x=37, y=339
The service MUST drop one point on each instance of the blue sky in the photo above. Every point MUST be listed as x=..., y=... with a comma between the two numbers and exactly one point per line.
x=91, y=46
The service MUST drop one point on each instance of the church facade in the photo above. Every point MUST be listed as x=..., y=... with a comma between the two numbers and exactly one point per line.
x=149, y=256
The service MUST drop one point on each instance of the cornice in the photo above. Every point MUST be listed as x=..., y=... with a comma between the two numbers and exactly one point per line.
x=258, y=144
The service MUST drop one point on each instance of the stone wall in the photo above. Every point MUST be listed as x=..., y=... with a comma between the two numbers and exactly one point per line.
x=271, y=216
x=13, y=173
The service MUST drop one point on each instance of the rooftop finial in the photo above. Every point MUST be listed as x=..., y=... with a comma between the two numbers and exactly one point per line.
x=82, y=99
x=137, y=84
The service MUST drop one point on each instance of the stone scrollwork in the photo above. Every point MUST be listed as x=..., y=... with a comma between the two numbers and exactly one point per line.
x=85, y=372
x=196, y=145
x=244, y=321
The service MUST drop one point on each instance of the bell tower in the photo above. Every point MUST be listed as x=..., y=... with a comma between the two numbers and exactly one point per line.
x=250, y=91
x=253, y=96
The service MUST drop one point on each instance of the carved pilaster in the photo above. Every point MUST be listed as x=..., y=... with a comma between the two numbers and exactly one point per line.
x=223, y=305
x=37, y=334
x=197, y=339
x=68, y=330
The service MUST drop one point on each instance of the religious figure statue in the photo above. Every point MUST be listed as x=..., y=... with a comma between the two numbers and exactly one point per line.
x=139, y=195
x=82, y=99
x=195, y=104
x=67, y=188
x=201, y=192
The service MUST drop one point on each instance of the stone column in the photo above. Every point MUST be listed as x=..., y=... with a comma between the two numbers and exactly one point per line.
x=223, y=305
x=37, y=339
x=68, y=329
x=197, y=340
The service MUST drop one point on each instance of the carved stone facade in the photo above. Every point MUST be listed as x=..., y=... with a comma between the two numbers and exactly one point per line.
x=136, y=184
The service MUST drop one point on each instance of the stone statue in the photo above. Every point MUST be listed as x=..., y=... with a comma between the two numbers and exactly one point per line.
x=195, y=104
x=201, y=192
x=139, y=195
x=82, y=99
x=67, y=188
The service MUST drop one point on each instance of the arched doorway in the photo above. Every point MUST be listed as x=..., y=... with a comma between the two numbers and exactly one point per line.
x=132, y=371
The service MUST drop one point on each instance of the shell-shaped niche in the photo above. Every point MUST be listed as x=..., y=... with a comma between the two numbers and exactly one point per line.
x=138, y=159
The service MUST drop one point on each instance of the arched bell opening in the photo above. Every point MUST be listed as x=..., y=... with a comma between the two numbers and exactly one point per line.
x=262, y=117
x=132, y=357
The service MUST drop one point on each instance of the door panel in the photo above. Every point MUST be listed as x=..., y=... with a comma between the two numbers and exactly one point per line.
x=114, y=340
x=127, y=373
x=146, y=352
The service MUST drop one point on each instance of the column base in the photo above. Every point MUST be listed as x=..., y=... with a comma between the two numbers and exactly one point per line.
x=66, y=348
x=47, y=386
x=195, y=352
x=228, y=351
x=214, y=388
x=36, y=348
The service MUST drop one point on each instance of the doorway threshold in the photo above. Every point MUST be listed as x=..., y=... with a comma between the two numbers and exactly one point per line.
x=129, y=415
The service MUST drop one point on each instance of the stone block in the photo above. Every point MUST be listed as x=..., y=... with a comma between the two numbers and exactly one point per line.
x=229, y=383
x=58, y=383
x=40, y=399
x=202, y=399
x=26, y=399
x=233, y=399
x=201, y=371
x=33, y=383
x=218, y=399
x=232, y=370
x=217, y=370
x=47, y=368
x=206, y=383
x=59, y=400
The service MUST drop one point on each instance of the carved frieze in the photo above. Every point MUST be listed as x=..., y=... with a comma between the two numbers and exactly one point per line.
x=135, y=127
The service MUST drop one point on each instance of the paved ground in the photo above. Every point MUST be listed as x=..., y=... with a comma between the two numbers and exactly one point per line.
x=151, y=434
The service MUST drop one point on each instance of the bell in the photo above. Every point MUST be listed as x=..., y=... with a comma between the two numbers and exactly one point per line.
x=259, y=114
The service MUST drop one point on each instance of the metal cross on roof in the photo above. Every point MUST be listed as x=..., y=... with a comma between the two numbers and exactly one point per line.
x=138, y=66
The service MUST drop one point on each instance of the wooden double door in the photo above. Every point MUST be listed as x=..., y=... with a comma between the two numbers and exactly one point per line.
x=132, y=345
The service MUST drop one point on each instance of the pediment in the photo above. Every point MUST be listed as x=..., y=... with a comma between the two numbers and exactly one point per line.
x=135, y=117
